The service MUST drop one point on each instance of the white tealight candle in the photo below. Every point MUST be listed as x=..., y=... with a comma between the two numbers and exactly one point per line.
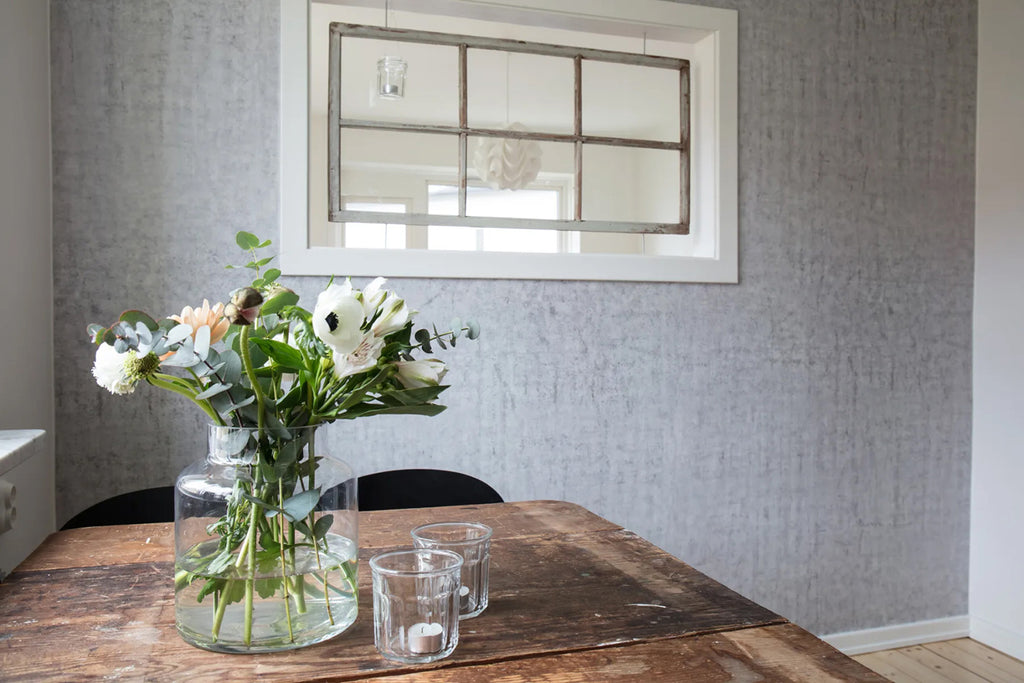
x=425, y=638
x=464, y=599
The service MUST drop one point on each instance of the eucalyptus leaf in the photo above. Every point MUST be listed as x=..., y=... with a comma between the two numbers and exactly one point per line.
x=179, y=333
x=202, y=342
x=184, y=357
x=132, y=317
x=212, y=390
x=300, y=505
x=473, y=330
x=423, y=337
x=232, y=366
x=322, y=526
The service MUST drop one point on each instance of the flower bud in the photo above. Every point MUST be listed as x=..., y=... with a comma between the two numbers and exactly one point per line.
x=244, y=306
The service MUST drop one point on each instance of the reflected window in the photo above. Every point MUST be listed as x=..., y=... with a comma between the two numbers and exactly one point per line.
x=373, y=235
x=537, y=203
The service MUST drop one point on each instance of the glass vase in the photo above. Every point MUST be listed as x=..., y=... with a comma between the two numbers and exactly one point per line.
x=266, y=542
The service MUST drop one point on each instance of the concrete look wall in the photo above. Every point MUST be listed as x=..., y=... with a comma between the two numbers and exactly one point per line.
x=26, y=345
x=997, y=506
x=803, y=436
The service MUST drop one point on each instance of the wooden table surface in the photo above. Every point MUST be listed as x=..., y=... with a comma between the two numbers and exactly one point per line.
x=573, y=598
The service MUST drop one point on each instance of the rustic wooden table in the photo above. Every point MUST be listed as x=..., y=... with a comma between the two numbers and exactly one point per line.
x=573, y=598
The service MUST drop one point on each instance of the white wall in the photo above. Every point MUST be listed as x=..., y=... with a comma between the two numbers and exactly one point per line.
x=997, y=487
x=26, y=283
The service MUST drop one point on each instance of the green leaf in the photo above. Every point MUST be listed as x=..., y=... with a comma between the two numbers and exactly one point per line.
x=212, y=390
x=266, y=588
x=96, y=332
x=271, y=275
x=264, y=243
x=416, y=396
x=368, y=409
x=322, y=526
x=473, y=330
x=275, y=303
x=133, y=316
x=456, y=328
x=247, y=240
x=300, y=505
x=264, y=261
x=423, y=337
x=267, y=471
x=282, y=354
x=211, y=586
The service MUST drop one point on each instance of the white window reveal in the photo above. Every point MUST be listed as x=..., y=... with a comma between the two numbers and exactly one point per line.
x=578, y=139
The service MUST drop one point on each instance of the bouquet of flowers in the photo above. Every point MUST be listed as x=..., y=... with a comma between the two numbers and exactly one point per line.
x=266, y=371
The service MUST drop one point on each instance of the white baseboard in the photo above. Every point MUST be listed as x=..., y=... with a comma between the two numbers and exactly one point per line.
x=998, y=637
x=901, y=635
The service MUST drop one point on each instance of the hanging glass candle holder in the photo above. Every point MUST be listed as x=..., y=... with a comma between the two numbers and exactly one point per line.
x=391, y=78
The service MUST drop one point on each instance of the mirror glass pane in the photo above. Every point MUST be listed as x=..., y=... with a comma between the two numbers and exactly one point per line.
x=386, y=168
x=628, y=101
x=537, y=202
x=535, y=91
x=431, y=84
x=630, y=184
x=509, y=168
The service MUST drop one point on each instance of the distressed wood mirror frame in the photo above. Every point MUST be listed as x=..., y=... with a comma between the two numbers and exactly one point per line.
x=707, y=140
x=336, y=122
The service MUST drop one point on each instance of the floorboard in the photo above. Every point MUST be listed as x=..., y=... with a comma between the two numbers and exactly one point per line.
x=953, y=661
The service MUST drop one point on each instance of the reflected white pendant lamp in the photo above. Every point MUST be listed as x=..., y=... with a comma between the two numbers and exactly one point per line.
x=507, y=163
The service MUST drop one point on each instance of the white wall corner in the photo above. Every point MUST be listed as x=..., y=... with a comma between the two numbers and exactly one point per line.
x=900, y=635
x=997, y=637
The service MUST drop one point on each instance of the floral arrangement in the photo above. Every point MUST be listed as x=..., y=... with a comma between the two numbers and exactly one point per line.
x=263, y=362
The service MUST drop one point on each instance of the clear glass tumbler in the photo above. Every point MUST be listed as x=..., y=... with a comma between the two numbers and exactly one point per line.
x=416, y=604
x=472, y=541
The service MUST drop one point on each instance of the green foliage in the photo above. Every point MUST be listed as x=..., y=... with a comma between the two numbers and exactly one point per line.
x=274, y=374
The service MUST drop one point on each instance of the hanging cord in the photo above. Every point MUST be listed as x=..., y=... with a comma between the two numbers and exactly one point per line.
x=508, y=56
x=386, y=14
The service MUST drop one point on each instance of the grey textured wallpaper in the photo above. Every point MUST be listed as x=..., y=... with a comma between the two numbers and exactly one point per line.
x=803, y=436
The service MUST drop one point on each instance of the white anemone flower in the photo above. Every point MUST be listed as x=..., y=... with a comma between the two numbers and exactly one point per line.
x=110, y=370
x=427, y=372
x=363, y=358
x=338, y=317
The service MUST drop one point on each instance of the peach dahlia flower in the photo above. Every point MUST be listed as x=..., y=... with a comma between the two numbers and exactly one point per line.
x=198, y=317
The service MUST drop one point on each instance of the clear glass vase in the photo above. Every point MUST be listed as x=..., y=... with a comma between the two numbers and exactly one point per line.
x=266, y=542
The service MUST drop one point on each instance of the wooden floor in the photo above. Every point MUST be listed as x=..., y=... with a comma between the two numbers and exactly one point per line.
x=963, y=661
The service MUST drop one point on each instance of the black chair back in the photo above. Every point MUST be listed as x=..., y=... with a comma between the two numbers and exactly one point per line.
x=391, y=490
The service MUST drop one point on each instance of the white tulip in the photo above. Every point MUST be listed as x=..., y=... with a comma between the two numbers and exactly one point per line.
x=414, y=374
x=394, y=315
x=373, y=295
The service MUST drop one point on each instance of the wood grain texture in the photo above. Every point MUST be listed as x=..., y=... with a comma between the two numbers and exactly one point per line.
x=769, y=653
x=552, y=591
x=92, y=546
x=548, y=594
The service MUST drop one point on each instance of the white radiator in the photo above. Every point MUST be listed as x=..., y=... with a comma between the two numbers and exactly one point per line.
x=26, y=495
